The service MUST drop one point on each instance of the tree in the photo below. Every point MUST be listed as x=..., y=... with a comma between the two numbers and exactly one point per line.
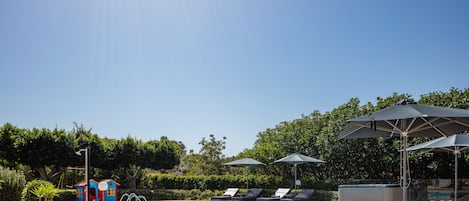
x=163, y=154
x=209, y=161
x=8, y=134
x=98, y=147
x=48, y=152
x=131, y=156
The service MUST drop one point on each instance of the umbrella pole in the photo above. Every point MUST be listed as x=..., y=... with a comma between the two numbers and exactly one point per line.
x=456, y=151
x=404, y=166
x=247, y=178
x=294, y=182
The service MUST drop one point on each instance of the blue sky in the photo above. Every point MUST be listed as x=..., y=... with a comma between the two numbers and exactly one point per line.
x=186, y=69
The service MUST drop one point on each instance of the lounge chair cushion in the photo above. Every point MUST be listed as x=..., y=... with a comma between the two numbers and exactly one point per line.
x=281, y=192
x=303, y=195
x=230, y=192
x=250, y=196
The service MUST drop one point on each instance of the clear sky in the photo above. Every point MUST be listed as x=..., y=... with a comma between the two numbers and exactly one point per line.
x=186, y=69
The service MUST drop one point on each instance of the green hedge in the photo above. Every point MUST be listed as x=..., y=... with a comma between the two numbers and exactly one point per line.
x=66, y=195
x=220, y=182
x=326, y=195
x=172, y=194
x=214, y=182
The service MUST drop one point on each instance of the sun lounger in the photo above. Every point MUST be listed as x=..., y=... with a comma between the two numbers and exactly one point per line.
x=229, y=193
x=464, y=198
x=279, y=194
x=303, y=195
x=250, y=196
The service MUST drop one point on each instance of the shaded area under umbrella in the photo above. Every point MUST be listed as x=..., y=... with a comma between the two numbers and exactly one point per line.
x=247, y=163
x=454, y=144
x=407, y=119
x=296, y=159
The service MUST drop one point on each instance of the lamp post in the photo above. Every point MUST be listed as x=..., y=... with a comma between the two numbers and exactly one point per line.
x=87, y=170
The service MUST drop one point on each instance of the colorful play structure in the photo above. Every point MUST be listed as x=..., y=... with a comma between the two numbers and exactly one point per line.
x=105, y=190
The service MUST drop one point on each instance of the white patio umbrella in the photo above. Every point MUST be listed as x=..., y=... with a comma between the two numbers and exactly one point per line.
x=296, y=159
x=455, y=144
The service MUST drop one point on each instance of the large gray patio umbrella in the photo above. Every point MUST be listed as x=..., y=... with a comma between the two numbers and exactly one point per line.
x=296, y=159
x=407, y=119
x=454, y=144
x=247, y=163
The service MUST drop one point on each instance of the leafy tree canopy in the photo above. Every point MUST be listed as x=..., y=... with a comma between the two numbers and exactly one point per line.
x=50, y=152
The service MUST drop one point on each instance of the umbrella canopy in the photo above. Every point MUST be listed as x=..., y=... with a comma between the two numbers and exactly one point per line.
x=245, y=162
x=296, y=159
x=454, y=144
x=407, y=117
x=404, y=119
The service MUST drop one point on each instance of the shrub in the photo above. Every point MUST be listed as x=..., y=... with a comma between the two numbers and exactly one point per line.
x=46, y=191
x=27, y=194
x=66, y=195
x=11, y=185
x=326, y=195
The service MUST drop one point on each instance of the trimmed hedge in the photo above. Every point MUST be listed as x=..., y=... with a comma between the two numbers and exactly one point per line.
x=220, y=182
x=213, y=182
x=326, y=195
x=66, y=195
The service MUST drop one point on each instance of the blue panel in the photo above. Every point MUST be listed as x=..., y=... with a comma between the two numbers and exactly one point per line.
x=79, y=193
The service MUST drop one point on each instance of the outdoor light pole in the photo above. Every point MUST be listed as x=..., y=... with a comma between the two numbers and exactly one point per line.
x=87, y=170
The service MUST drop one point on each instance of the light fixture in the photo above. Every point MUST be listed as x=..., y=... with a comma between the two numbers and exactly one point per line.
x=79, y=152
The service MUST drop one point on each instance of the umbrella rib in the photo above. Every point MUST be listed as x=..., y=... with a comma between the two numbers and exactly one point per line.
x=410, y=125
x=430, y=123
x=387, y=130
x=360, y=126
x=455, y=121
x=424, y=126
x=447, y=149
x=464, y=149
x=462, y=123
x=394, y=126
